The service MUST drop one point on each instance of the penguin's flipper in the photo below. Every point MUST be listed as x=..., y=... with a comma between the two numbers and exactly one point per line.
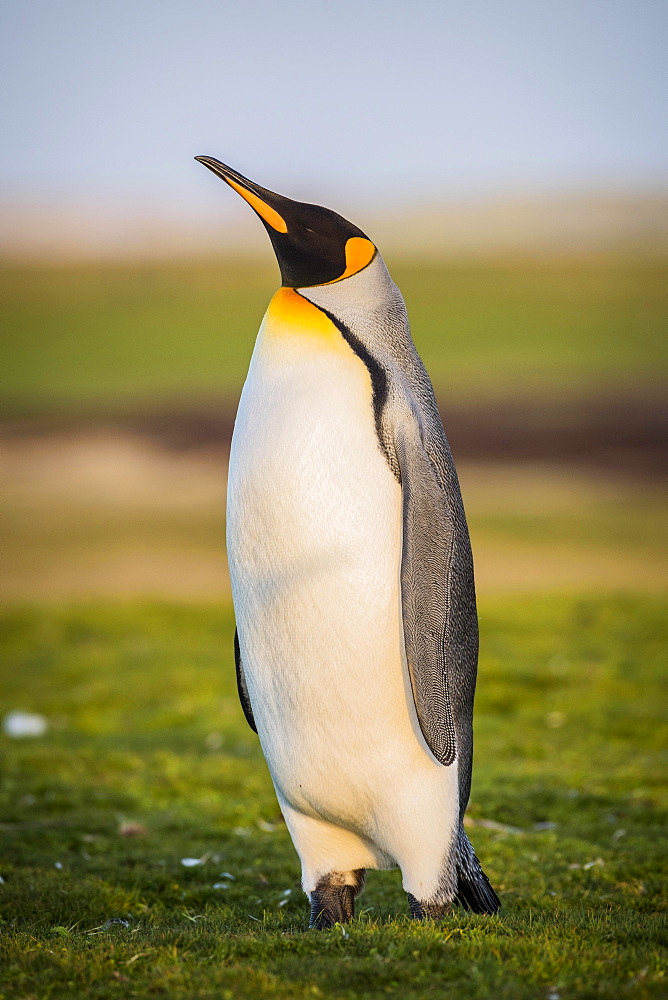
x=441, y=624
x=438, y=597
x=241, y=684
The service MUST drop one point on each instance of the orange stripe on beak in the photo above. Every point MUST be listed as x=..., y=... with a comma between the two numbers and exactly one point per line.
x=270, y=215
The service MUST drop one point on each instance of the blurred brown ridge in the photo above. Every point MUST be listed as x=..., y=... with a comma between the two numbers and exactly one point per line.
x=627, y=433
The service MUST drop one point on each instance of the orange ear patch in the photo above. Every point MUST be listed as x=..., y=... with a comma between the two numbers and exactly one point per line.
x=359, y=253
x=270, y=215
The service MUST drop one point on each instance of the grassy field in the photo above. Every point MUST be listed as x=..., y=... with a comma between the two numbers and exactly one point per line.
x=120, y=635
x=148, y=761
x=103, y=336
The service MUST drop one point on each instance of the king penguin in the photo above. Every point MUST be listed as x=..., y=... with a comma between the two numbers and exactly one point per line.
x=352, y=576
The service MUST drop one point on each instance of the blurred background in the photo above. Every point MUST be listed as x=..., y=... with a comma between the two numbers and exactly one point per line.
x=510, y=160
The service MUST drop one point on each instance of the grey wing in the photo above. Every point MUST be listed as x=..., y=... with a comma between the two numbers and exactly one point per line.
x=438, y=595
x=241, y=684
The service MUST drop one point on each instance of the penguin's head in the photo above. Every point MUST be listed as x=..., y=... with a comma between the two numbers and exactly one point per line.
x=313, y=245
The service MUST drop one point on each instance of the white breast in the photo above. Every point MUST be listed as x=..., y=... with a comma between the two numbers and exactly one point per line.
x=314, y=544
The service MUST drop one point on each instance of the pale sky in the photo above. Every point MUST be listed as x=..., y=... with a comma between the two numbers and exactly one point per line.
x=373, y=99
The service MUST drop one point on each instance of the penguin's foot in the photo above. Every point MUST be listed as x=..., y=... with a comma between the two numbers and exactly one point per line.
x=333, y=899
x=421, y=910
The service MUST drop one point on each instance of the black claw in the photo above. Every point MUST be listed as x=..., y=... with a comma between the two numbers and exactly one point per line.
x=333, y=900
x=337, y=906
x=420, y=910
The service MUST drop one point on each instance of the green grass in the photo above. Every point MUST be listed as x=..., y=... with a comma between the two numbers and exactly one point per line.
x=111, y=336
x=146, y=729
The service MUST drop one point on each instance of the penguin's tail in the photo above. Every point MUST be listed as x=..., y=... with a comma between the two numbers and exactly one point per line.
x=474, y=891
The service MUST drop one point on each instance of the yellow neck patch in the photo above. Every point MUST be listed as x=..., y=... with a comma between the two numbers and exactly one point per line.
x=291, y=315
x=270, y=215
x=289, y=309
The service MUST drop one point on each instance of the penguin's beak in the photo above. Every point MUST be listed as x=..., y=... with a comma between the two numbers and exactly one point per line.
x=257, y=197
x=313, y=245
